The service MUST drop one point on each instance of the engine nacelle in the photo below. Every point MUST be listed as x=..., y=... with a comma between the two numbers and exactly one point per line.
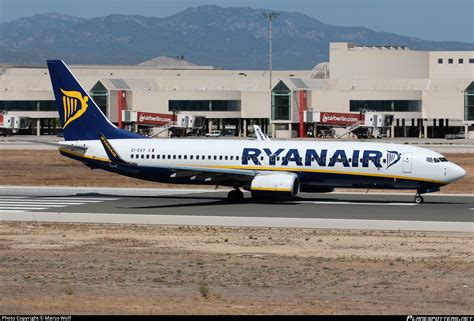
x=281, y=184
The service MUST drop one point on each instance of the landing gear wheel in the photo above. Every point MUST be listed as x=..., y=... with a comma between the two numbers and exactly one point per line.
x=419, y=199
x=235, y=196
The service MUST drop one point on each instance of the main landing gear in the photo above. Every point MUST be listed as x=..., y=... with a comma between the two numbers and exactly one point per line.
x=419, y=199
x=235, y=196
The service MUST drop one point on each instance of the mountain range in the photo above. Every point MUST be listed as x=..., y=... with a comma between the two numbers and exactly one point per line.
x=232, y=38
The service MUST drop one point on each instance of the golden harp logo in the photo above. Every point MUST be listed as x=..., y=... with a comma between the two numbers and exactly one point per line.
x=74, y=105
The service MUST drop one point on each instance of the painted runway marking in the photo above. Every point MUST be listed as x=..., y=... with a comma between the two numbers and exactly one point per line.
x=361, y=203
x=23, y=209
x=41, y=202
x=12, y=196
x=23, y=204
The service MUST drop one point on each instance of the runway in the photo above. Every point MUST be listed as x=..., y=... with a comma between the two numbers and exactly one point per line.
x=440, y=212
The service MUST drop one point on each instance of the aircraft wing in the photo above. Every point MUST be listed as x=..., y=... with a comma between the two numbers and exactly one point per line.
x=210, y=173
x=192, y=172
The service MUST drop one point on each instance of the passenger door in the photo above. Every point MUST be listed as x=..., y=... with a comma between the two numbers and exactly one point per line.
x=407, y=160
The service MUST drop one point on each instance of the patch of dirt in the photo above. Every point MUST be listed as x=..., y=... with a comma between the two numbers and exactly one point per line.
x=49, y=168
x=128, y=269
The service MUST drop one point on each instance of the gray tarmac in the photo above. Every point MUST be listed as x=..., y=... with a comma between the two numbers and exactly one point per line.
x=439, y=212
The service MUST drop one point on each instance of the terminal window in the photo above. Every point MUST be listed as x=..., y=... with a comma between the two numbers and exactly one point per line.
x=450, y=60
x=28, y=105
x=440, y=61
x=204, y=105
x=385, y=105
x=471, y=60
x=461, y=61
x=469, y=102
x=281, y=102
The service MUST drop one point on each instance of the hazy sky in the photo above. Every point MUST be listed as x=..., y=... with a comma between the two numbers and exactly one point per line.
x=426, y=19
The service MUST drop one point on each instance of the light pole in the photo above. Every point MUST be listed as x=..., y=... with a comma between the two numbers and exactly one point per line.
x=270, y=16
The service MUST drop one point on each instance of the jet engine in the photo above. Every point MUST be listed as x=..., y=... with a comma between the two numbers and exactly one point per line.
x=275, y=184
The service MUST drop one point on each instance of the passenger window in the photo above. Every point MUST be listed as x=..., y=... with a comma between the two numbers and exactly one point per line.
x=158, y=156
x=261, y=158
x=197, y=157
x=143, y=156
x=215, y=157
x=226, y=157
x=236, y=157
x=220, y=157
x=147, y=156
x=278, y=158
x=174, y=156
x=208, y=157
x=152, y=156
x=350, y=160
x=231, y=157
x=185, y=157
x=384, y=160
x=131, y=156
x=179, y=156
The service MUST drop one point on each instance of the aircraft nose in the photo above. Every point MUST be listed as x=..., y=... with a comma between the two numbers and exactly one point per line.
x=457, y=172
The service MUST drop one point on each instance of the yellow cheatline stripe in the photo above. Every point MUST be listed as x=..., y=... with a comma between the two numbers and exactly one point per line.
x=270, y=189
x=84, y=156
x=323, y=171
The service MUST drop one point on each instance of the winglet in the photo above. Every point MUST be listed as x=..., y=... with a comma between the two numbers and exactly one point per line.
x=111, y=152
x=259, y=133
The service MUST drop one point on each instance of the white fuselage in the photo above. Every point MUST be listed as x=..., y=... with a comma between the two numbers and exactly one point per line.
x=345, y=159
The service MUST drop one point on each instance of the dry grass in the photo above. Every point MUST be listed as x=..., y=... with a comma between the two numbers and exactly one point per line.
x=95, y=269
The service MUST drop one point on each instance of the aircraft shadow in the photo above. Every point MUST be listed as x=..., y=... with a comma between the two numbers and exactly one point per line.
x=216, y=200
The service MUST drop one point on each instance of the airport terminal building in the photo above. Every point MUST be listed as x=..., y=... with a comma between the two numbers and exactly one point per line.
x=430, y=93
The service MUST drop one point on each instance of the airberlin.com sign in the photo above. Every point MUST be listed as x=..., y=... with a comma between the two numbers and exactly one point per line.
x=153, y=118
x=339, y=118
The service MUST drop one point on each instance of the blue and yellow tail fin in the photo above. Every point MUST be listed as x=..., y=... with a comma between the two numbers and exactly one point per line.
x=79, y=115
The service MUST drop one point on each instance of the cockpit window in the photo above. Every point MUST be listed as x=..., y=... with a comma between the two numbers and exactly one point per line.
x=429, y=159
x=443, y=159
x=436, y=160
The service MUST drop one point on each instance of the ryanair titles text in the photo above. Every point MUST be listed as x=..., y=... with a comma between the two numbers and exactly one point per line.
x=308, y=157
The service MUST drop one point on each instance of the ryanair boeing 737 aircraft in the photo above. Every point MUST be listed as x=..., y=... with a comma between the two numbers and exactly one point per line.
x=266, y=168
